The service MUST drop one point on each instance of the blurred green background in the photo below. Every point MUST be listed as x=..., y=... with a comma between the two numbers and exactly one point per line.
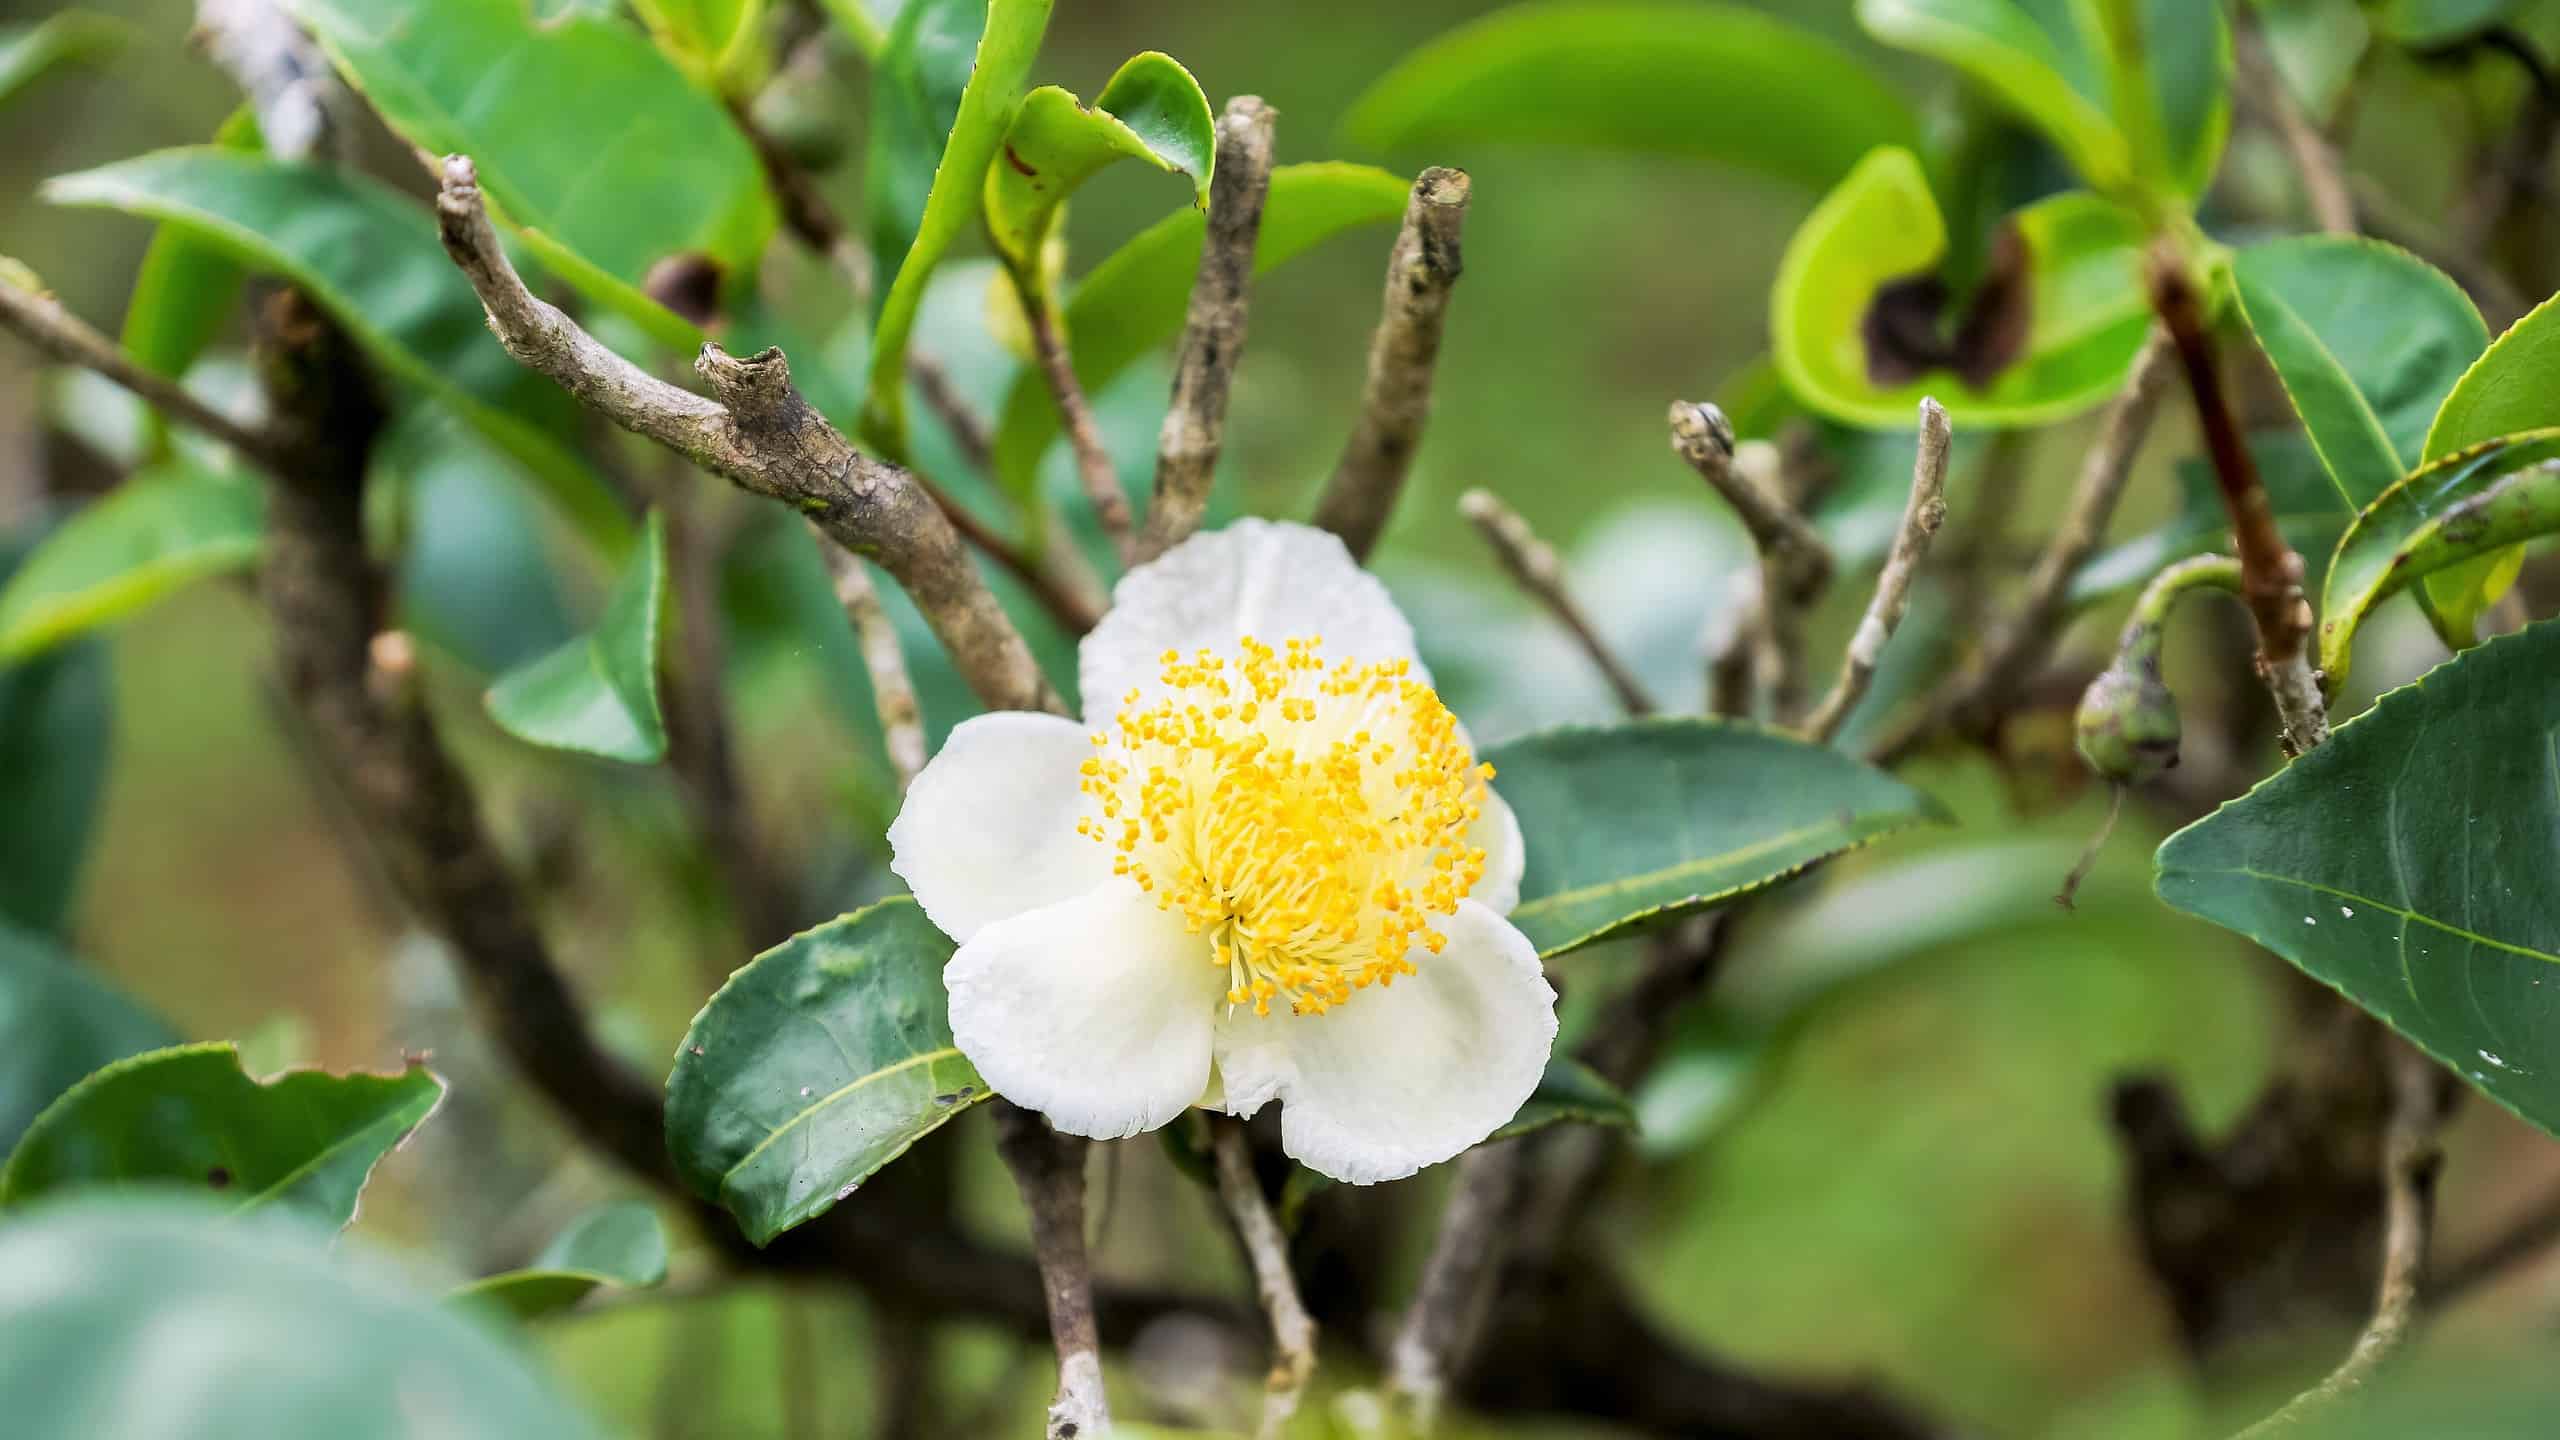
x=1918, y=1185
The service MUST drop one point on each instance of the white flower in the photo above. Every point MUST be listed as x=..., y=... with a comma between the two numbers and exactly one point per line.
x=1268, y=868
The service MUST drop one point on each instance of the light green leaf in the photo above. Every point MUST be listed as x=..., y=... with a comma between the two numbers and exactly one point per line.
x=190, y=1117
x=1569, y=1091
x=816, y=1065
x=710, y=38
x=2508, y=390
x=157, y=533
x=2430, y=24
x=1642, y=822
x=2073, y=319
x=369, y=256
x=621, y=1245
x=866, y=22
x=57, y=715
x=598, y=694
x=1004, y=50
x=2310, y=514
x=2408, y=864
x=187, y=288
x=1152, y=110
x=2316, y=46
x=136, y=1316
x=71, y=37
x=2480, y=501
x=1134, y=300
x=58, y=1022
x=584, y=135
x=2042, y=65
x=1699, y=81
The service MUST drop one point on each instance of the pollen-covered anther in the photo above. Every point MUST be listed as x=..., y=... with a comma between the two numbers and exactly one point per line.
x=1309, y=817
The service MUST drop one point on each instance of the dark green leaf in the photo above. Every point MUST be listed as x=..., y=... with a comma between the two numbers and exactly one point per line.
x=369, y=255
x=476, y=578
x=1645, y=821
x=1631, y=75
x=816, y=1065
x=598, y=693
x=2408, y=863
x=71, y=37
x=160, y=531
x=2310, y=514
x=57, y=714
x=621, y=1245
x=1152, y=111
x=134, y=1317
x=2429, y=24
x=1569, y=1091
x=190, y=1117
x=58, y=1022
x=584, y=136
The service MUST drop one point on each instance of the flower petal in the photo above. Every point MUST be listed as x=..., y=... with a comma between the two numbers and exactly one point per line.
x=1497, y=832
x=1407, y=1076
x=1096, y=1012
x=988, y=830
x=1269, y=579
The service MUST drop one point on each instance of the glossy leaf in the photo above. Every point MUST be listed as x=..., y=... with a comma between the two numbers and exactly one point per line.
x=1151, y=111
x=71, y=37
x=2508, y=390
x=1646, y=821
x=598, y=694
x=816, y=1065
x=57, y=715
x=58, y=1022
x=584, y=135
x=190, y=1117
x=187, y=289
x=2084, y=311
x=160, y=531
x=2477, y=502
x=1631, y=75
x=2408, y=864
x=1569, y=1091
x=1004, y=50
x=1134, y=300
x=370, y=256
x=2310, y=513
x=137, y=1316
x=622, y=1245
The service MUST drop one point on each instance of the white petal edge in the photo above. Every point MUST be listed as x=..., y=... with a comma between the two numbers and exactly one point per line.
x=1269, y=579
x=1497, y=833
x=1407, y=1076
x=988, y=830
x=1097, y=1012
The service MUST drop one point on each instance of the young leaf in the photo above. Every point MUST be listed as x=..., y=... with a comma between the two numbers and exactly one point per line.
x=2477, y=502
x=71, y=37
x=2508, y=390
x=1694, y=80
x=160, y=531
x=190, y=1117
x=707, y=37
x=585, y=137
x=369, y=255
x=2408, y=863
x=1643, y=822
x=1134, y=300
x=1005, y=49
x=816, y=1065
x=1857, y=312
x=621, y=1245
x=57, y=714
x=187, y=289
x=1152, y=110
x=598, y=694
x=1569, y=1091
x=58, y=1022
x=137, y=1316
x=2041, y=65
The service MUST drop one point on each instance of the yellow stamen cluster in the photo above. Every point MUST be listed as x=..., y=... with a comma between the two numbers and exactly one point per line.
x=1309, y=818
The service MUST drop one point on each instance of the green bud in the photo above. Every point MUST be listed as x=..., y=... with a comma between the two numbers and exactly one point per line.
x=2128, y=722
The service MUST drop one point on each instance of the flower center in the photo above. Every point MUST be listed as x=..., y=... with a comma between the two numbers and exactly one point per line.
x=1310, y=818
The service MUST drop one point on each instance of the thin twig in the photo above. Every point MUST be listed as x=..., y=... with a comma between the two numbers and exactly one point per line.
x=1084, y=433
x=42, y=322
x=2387, y=218
x=893, y=692
x=304, y=112
x=1266, y=1249
x=1457, y=1281
x=1794, y=563
x=762, y=436
x=1532, y=563
x=2315, y=156
x=1213, y=331
x=1048, y=1168
x=1422, y=269
x=1922, y=514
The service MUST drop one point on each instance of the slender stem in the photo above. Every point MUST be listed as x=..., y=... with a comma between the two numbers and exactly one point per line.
x=893, y=691
x=1922, y=514
x=1084, y=434
x=1532, y=563
x=42, y=321
x=2315, y=156
x=1457, y=1281
x=1794, y=563
x=1266, y=1249
x=1048, y=1168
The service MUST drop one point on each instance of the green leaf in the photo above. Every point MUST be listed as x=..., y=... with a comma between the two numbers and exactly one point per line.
x=1878, y=241
x=1699, y=81
x=867, y=22
x=598, y=694
x=2429, y=24
x=72, y=37
x=816, y=1065
x=1642, y=822
x=1004, y=50
x=2041, y=64
x=584, y=135
x=160, y=531
x=2316, y=46
x=370, y=256
x=2310, y=513
x=1152, y=110
x=190, y=1117
x=2408, y=864
x=710, y=38
x=187, y=289
x=1134, y=300
x=137, y=1316
x=2479, y=501
x=621, y=1245
x=2507, y=391
x=476, y=576
x=57, y=714
x=1569, y=1091
x=58, y=1022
